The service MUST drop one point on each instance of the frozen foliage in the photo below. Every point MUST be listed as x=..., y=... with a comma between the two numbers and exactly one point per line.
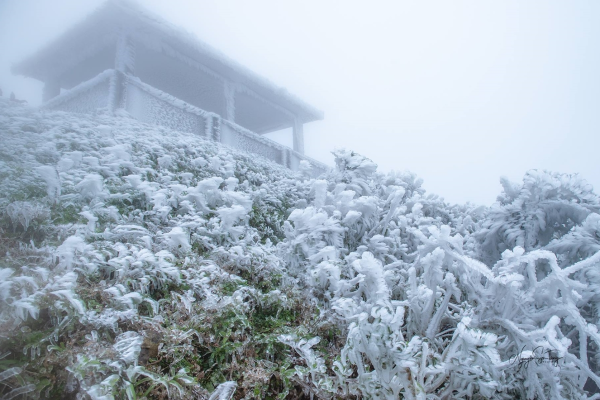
x=545, y=207
x=143, y=262
x=23, y=214
x=224, y=391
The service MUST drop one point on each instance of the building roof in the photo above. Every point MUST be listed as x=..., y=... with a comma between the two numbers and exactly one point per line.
x=101, y=30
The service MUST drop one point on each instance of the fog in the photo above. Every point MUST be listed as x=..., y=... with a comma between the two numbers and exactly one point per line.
x=460, y=93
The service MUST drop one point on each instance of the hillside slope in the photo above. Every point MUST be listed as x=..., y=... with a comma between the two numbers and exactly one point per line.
x=141, y=262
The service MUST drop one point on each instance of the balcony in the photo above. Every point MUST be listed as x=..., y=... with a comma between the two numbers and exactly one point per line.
x=113, y=89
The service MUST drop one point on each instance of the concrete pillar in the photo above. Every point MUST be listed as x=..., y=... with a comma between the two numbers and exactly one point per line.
x=216, y=128
x=125, y=56
x=212, y=127
x=116, y=91
x=124, y=65
x=298, y=136
x=286, y=157
x=51, y=90
x=229, y=101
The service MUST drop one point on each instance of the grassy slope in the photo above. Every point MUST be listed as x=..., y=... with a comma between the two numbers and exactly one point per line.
x=221, y=327
x=138, y=261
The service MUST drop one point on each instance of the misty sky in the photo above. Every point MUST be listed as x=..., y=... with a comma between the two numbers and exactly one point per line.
x=458, y=92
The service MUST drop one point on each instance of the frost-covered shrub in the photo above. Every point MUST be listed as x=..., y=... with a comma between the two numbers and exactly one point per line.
x=424, y=318
x=544, y=208
x=172, y=267
x=24, y=214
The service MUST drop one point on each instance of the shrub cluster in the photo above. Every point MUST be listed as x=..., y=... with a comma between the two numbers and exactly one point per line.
x=138, y=262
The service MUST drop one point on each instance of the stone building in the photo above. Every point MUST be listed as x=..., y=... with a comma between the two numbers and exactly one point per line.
x=122, y=57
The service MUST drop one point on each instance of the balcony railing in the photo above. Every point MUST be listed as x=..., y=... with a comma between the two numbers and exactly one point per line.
x=151, y=105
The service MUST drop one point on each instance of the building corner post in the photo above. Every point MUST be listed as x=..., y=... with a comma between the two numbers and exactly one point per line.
x=298, y=136
x=229, y=101
x=124, y=65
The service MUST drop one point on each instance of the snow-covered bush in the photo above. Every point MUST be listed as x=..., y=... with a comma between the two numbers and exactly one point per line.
x=544, y=208
x=138, y=261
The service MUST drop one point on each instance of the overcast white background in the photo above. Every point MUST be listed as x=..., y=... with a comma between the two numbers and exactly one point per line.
x=459, y=92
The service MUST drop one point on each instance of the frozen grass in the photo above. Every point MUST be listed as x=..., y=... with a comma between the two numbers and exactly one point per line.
x=142, y=262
